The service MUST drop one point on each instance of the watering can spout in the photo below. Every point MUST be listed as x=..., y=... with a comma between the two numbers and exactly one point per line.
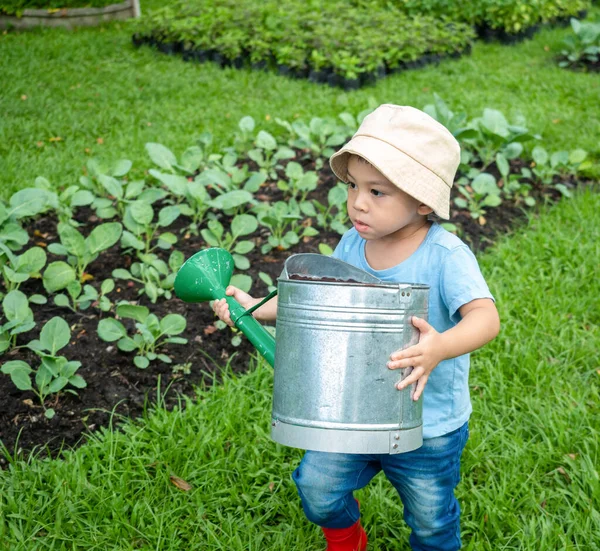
x=205, y=276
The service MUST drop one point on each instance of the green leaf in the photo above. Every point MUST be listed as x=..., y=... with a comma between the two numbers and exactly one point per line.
x=26, y=202
x=58, y=384
x=121, y=167
x=31, y=261
x=241, y=262
x=110, y=330
x=577, y=156
x=161, y=156
x=255, y=181
x=77, y=381
x=111, y=185
x=168, y=215
x=175, y=340
x=133, y=311
x=128, y=240
x=38, y=299
x=62, y=300
x=57, y=276
x=176, y=184
x=127, y=344
x=325, y=249
x=176, y=260
x=103, y=237
x=241, y=281
x=172, y=324
x=16, y=306
x=337, y=195
x=539, y=155
x=244, y=247
x=142, y=212
x=141, y=361
x=81, y=198
x=121, y=273
x=19, y=373
x=107, y=286
x=495, y=122
x=502, y=164
x=246, y=124
x=264, y=140
x=231, y=199
x=55, y=335
x=243, y=224
x=49, y=413
x=13, y=235
x=72, y=240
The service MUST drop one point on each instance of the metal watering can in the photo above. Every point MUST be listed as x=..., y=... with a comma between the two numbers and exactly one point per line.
x=336, y=327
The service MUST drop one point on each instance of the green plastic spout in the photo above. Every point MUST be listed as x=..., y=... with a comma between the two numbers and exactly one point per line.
x=205, y=276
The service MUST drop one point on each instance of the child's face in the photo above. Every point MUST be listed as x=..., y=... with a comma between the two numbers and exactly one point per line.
x=376, y=207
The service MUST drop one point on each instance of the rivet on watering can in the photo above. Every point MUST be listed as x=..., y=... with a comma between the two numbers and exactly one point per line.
x=395, y=446
x=397, y=437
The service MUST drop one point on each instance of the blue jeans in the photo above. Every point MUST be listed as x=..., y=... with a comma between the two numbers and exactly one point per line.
x=424, y=478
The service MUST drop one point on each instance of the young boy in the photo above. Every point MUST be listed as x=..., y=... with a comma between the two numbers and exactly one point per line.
x=400, y=166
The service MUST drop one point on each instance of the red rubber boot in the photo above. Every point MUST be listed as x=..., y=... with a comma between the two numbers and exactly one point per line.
x=352, y=538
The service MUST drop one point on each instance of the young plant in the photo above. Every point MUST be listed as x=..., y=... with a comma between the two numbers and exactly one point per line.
x=19, y=316
x=216, y=236
x=77, y=297
x=547, y=166
x=481, y=193
x=320, y=136
x=54, y=372
x=80, y=252
x=22, y=204
x=583, y=46
x=283, y=219
x=17, y=269
x=267, y=154
x=141, y=230
x=333, y=215
x=152, y=333
x=67, y=201
x=299, y=183
x=156, y=276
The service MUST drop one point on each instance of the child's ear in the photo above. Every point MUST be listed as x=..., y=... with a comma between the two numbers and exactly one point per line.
x=424, y=210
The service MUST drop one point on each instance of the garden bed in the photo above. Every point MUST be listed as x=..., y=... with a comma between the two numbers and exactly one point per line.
x=261, y=198
x=116, y=389
x=70, y=17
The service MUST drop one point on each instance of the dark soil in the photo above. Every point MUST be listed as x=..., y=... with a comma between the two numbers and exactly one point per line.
x=114, y=385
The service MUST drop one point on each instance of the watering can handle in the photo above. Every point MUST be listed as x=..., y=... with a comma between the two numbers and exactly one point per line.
x=258, y=305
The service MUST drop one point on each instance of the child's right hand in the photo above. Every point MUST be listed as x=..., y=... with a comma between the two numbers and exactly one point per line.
x=221, y=308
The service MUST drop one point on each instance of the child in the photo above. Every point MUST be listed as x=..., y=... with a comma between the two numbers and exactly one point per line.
x=400, y=166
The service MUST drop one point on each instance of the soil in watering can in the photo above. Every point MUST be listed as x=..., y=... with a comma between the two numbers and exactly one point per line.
x=326, y=279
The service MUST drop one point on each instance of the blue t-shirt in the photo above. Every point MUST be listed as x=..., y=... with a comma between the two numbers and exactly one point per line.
x=448, y=266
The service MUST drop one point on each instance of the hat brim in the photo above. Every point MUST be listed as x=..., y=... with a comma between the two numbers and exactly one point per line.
x=399, y=168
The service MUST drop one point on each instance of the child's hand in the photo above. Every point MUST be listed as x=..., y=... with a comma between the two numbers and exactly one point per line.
x=221, y=308
x=422, y=357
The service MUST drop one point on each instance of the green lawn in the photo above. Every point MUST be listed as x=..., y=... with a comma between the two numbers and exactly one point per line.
x=530, y=469
x=88, y=85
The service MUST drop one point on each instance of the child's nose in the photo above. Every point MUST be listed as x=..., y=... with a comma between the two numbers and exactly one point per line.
x=360, y=202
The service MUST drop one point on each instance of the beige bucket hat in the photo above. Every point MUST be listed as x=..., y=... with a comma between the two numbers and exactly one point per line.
x=412, y=150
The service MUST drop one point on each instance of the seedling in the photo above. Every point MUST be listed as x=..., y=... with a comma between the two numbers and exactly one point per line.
x=151, y=334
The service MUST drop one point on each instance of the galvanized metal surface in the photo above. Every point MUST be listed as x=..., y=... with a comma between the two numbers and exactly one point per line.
x=331, y=381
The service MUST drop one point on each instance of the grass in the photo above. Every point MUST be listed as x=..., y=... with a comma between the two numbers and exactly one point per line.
x=102, y=97
x=530, y=468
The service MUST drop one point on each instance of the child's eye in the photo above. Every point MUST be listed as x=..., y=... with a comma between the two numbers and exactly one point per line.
x=351, y=185
x=377, y=193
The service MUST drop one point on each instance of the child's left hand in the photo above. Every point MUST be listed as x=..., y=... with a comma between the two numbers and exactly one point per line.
x=423, y=357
